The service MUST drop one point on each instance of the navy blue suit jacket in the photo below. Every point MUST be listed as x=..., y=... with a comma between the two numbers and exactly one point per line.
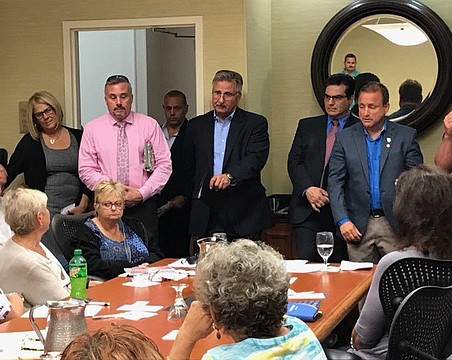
x=247, y=149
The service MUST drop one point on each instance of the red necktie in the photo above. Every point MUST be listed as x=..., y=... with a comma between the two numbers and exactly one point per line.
x=123, y=154
x=329, y=146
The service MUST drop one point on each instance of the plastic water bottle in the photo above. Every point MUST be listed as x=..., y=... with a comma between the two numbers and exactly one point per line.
x=78, y=272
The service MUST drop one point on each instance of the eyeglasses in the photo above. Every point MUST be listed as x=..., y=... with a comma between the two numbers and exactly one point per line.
x=116, y=79
x=334, y=97
x=40, y=115
x=226, y=95
x=109, y=204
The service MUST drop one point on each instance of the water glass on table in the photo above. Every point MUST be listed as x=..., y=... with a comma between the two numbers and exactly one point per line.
x=325, y=245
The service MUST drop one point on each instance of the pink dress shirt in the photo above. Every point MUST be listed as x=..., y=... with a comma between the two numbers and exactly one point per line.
x=98, y=153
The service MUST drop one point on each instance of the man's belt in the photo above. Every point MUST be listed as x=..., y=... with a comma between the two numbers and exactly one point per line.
x=376, y=213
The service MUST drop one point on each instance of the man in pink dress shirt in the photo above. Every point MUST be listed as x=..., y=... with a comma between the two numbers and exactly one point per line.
x=98, y=156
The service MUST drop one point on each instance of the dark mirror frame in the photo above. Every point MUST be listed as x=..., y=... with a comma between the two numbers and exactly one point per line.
x=437, y=103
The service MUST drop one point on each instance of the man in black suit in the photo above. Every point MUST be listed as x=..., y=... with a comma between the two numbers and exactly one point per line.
x=174, y=209
x=226, y=150
x=309, y=210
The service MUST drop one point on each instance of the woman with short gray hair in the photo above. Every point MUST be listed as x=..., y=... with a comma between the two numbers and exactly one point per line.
x=26, y=265
x=241, y=290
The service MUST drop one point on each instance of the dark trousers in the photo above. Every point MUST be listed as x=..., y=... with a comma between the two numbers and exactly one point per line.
x=174, y=239
x=146, y=212
x=305, y=234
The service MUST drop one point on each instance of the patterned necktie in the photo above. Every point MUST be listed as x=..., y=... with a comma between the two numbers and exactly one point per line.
x=123, y=154
x=329, y=146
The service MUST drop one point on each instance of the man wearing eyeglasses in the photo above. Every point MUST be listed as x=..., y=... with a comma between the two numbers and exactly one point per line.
x=366, y=160
x=226, y=150
x=309, y=210
x=128, y=147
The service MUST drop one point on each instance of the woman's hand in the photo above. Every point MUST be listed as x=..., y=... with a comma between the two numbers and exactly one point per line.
x=197, y=325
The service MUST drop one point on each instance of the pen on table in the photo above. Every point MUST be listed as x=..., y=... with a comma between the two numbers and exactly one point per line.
x=98, y=317
x=101, y=303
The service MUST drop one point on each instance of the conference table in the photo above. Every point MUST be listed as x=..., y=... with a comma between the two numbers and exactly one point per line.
x=342, y=289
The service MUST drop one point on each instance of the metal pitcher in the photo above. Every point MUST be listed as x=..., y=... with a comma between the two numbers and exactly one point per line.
x=207, y=243
x=65, y=320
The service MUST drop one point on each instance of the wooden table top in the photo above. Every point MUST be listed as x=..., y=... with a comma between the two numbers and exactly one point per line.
x=343, y=291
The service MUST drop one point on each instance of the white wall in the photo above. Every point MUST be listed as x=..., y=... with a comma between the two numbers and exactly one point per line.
x=101, y=54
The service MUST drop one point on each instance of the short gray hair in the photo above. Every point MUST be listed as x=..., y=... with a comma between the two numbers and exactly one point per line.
x=231, y=76
x=21, y=206
x=245, y=285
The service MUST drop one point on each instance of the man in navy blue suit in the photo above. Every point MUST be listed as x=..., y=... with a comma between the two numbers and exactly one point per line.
x=366, y=160
x=309, y=210
x=225, y=152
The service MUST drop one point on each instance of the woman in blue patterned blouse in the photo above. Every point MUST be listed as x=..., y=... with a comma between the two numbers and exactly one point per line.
x=110, y=242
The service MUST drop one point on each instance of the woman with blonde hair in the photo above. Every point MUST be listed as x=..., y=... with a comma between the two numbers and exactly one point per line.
x=110, y=242
x=48, y=157
x=27, y=267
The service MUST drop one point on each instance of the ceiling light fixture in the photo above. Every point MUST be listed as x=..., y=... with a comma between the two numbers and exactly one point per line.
x=404, y=34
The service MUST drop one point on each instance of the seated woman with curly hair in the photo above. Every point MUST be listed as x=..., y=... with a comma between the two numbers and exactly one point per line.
x=241, y=290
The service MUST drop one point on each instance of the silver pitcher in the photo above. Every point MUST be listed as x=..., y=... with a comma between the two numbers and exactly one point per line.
x=65, y=320
x=207, y=243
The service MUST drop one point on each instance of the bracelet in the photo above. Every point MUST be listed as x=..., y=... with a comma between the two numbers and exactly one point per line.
x=18, y=294
x=351, y=344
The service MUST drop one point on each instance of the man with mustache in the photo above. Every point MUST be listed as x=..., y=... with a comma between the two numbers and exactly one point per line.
x=128, y=147
x=309, y=210
x=225, y=152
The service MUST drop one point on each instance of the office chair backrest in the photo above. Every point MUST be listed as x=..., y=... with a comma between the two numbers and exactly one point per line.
x=64, y=227
x=408, y=274
x=422, y=325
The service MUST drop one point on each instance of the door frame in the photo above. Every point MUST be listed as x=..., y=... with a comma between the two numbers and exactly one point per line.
x=70, y=54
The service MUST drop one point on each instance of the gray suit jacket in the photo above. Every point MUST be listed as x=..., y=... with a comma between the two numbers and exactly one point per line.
x=348, y=181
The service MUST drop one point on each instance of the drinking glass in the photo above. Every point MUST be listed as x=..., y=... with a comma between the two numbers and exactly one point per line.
x=179, y=309
x=325, y=245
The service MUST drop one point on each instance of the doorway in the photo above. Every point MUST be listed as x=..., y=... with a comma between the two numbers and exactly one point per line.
x=157, y=55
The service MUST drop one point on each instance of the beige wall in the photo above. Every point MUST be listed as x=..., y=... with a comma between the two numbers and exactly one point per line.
x=269, y=41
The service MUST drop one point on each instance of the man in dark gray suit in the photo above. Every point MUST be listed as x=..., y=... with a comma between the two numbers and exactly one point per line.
x=366, y=160
x=309, y=210
x=225, y=151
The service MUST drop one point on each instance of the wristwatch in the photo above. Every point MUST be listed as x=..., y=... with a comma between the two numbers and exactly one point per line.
x=232, y=179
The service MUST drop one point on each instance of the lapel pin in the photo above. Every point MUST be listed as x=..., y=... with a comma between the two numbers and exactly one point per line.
x=388, y=140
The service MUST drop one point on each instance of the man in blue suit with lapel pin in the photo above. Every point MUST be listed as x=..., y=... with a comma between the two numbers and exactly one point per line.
x=225, y=152
x=366, y=160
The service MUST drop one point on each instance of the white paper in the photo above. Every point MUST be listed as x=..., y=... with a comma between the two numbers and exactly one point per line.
x=140, y=284
x=68, y=208
x=292, y=295
x=352, y=265
x=11, y=344
x=171, y=336
x=140, y=307
x=292, y=280
x=41, y=311
x=293, y=266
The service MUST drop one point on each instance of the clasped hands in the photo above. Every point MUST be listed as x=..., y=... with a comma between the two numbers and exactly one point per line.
x=317, y=197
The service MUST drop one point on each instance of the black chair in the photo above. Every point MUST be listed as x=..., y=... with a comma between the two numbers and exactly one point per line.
x=3, y=157
x=408, y=274
x=64, y=227
x=422, y=325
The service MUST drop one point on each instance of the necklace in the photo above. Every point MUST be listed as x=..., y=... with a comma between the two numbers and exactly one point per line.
x=52, y=140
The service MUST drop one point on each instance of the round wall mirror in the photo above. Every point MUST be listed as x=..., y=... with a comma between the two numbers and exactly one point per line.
x=352, y=30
